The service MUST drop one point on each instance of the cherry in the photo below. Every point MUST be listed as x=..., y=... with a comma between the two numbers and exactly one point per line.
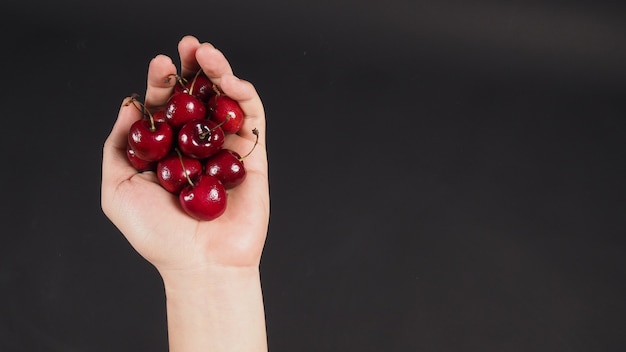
x=139, y=164
x=150, y=140
x=174, y=170
x=204, y=198
x=227, y=165
x=183, y=107
x=199, y=86
x=200, y=138
x=159, y=116
x=227, y=110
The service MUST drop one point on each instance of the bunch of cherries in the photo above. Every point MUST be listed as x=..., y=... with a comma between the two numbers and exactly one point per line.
x=183, y=143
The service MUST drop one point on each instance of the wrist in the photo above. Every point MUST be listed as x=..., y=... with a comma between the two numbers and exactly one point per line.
x=208, y=278
x=216, y=306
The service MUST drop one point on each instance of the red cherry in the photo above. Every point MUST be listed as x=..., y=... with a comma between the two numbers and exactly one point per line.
x=200, y=138
x=199, y=86
x=139, y=164
x=202, y=88
x=227, y=166
x=181, y=85
x=204, y=199
x=159, y=116
x=223, y=109
x=150, y=140
x=175, y=170
x=182, y=108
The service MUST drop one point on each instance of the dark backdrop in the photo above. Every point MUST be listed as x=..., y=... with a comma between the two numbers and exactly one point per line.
x=445, y=175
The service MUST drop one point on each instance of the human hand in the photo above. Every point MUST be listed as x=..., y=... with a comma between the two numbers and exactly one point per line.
x=151, y=218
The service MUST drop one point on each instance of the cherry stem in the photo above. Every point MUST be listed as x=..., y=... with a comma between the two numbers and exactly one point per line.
x=193, y=82
x=143, y=110
x=256, y=133
x=204, y=135
x=218, y=92
x=179, y=79
x=209, y=131
x=221, y=123
x=180, y=157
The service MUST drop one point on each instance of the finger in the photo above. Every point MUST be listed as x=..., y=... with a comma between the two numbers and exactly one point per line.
x=246, y=95
x=161, y=81
x=212, y=62
x=187, y=51
x=115, y=165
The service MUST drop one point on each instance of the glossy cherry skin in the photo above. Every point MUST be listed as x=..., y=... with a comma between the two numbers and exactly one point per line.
x=199, y=86
x=139, y=164
x=204, y=200
x=227, y=166
x=222, y=108
x=148, y=143
x=200, y=138
x=171, y=174
x=159, y=116
x=182, y=108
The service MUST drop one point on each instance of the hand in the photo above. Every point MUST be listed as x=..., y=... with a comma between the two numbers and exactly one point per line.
x=151, y=218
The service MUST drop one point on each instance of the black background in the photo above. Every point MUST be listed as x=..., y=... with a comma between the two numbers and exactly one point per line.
x=445, y=175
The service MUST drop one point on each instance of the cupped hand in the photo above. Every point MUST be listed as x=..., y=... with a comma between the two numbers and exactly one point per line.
x=151, y=218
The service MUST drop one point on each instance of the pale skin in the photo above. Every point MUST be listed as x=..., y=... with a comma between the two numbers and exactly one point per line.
x=210, y=270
